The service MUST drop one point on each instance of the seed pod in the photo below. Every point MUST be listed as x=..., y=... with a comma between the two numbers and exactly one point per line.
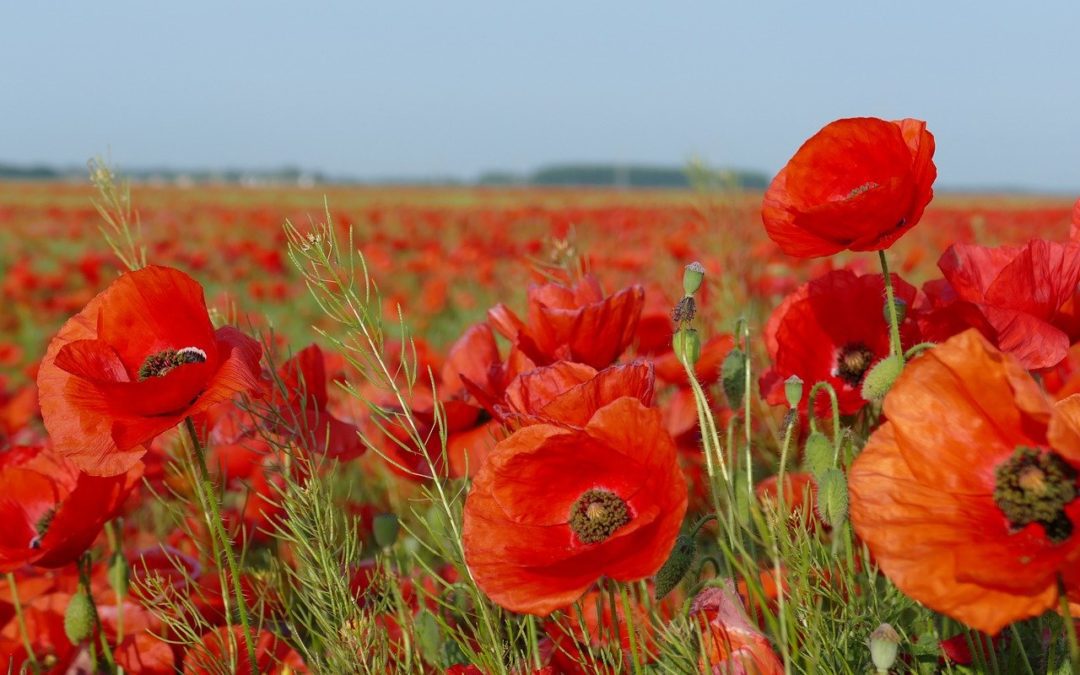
x=693, y=274
x=677, y=565
x=793, y=390
x=79, y=618
x=880, y=379
x=687, y=346
x=884, y=644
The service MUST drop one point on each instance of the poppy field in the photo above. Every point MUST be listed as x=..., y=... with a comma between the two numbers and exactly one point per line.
x=828, y=428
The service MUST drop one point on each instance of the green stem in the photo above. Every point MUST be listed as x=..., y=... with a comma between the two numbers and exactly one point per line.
x=213, y=515
x=22, y=622
x=894, y=323
x=1070, y=625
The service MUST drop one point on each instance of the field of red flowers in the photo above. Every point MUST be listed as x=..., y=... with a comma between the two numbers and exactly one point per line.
x=371, y=430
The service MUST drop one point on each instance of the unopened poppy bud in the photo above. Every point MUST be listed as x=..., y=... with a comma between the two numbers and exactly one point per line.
x=793, y=387
x=693, y=275
x=428, y=633
x=818, y=453
x=901, y=310
x=687, y=346
x=79, y=617
x=118, y=574
x=884, y=644
x=733, y=377
x=677, y=565
x=386, y=528
x=881, y=377
x=832, y=497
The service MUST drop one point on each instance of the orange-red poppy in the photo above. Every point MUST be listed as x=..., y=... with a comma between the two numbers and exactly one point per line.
x=858, y=184
x=136, y=361
x=555, y=508
x=731, y=643
x=304, y=408
x=576, y=323
x=967, y=495
x=1022, y=298
x=568, y=393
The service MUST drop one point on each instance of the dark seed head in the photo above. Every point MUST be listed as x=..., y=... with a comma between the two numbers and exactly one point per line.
x=853, y=361
x=597, y=514
x=159, y=364
x=1035, y=487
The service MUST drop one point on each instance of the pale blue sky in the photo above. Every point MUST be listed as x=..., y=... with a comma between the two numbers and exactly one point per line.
x=410, y=88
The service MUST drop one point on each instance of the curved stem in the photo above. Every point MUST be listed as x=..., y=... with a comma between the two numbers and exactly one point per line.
x=30, y=655
x=213, y=515
x=894, y=323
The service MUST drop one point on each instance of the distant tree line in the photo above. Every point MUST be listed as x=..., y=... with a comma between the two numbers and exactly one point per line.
x=585, y=175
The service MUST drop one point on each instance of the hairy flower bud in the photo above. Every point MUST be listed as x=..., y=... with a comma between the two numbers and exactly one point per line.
x=386, y=528
x=881, y=377
x=79, y=618
x=677, y=565
x=733, y=377
x=832, y=501
x=818, y=453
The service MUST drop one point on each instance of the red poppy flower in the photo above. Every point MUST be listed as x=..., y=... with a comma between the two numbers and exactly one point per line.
x=554, y=508
x=1022, y=298
x=731, y=643
x=50, y=513
x=136, y=361
x=858, y=184
x=573, y=324
x=832, y=329
x=967, y=495
x=303, y=406
x=569, y=394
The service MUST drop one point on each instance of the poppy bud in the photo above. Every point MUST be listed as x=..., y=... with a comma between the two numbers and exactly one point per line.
x=386, y=528
x=818, y=453
x=693, y=274
x=79, y=618
x=733, y=377
x=881, y=377
x=832, y=501
x=677, y=565
x=687, y=346
x=884, y=644
x=901, y=310
x=118, y=574
x=793, y=387
x=428, y=635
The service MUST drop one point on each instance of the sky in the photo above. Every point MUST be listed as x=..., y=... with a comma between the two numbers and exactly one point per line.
x=396, y=89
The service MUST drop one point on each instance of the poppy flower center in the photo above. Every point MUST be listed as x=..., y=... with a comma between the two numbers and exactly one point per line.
x=1034, y=487
x=42, y=527
x=597, y=514
x=865, y=187
x=853, y=362
x=159, y=364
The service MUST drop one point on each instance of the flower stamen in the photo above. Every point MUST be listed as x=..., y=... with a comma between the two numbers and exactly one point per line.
x=1035, y=487
x=597, y=514
x=853, y=361
x=159, y=364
